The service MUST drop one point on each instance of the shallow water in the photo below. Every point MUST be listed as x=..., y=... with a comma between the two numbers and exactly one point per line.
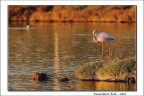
x=58, y=49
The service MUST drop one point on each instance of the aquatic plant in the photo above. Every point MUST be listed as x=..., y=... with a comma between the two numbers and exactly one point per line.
x=115, y=69
x=118, y=69
x=87, y=70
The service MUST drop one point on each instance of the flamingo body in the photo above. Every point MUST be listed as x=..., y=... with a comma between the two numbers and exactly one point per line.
x=102, y=37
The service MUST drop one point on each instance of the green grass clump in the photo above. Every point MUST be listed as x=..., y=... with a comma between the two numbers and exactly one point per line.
x=87, y=70
x=111, y=68
x=116, y=69
x=128, y=65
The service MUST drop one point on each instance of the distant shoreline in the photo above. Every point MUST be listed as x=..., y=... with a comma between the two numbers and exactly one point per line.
x=122, y=14
x=77, y=21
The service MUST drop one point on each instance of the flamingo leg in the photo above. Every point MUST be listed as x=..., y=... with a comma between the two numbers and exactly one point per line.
x=102, y=51
x=110, y=54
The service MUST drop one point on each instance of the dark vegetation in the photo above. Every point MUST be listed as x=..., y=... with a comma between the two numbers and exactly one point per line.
x=72, y=13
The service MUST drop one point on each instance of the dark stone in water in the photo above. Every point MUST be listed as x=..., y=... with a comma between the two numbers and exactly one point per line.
x=63, y=79
x=45, y=77
x=40, y=76
x=130, y=80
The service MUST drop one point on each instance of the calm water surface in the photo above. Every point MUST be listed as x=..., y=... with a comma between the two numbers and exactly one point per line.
x=58, y=49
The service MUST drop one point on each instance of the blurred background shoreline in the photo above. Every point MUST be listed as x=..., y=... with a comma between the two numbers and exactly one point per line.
x=67, y=13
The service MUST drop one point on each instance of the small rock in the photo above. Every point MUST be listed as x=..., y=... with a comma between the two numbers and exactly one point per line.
x=63, y=79
x=40, y=76
x=130, y=80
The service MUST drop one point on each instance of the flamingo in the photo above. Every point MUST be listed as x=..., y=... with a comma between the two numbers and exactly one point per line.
x=102, y=37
